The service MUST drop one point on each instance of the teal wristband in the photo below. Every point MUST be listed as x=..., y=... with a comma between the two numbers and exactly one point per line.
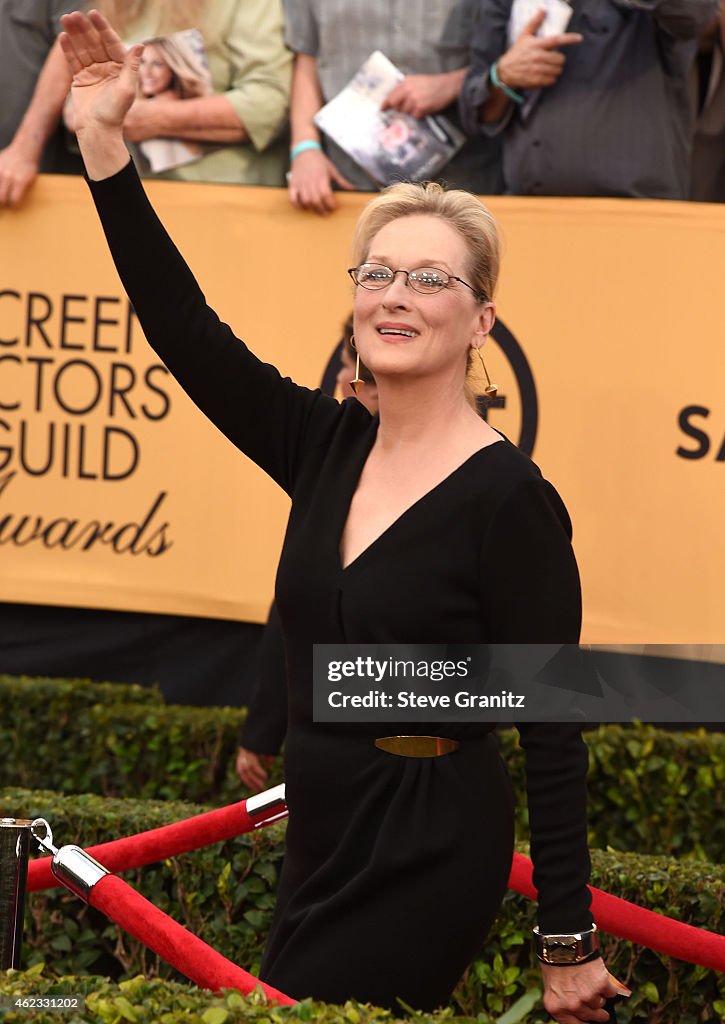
x=511, y=93
x=302, y=147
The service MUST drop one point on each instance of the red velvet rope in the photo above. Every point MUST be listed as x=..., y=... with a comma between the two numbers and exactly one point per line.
x=613, y=915
x=179, y=947
x=645, y=927
x=156, y=844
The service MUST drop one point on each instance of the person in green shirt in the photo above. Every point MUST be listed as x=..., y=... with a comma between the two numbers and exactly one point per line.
x=241, y=124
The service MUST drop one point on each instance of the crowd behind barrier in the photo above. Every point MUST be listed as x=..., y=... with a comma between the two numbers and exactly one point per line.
x=627, y=99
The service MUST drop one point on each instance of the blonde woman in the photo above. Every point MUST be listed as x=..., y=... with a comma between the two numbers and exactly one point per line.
x=171, y=70
x=422, y=523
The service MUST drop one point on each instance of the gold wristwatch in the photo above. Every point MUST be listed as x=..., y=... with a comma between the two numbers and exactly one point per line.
x=571, y=948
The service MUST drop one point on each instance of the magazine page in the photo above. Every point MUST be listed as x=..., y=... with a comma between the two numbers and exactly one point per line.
x=387, y=144
x=173, y=68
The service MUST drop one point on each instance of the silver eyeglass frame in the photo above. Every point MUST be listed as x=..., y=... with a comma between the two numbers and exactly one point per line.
x=353, y=271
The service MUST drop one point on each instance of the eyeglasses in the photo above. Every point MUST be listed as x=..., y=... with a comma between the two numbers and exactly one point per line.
x=425, y=280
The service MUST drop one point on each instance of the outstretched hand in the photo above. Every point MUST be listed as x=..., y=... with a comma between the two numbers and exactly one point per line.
x=104, y=73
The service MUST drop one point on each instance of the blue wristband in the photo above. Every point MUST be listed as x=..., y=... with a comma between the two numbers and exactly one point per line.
x=302, y=147
x=507, y=90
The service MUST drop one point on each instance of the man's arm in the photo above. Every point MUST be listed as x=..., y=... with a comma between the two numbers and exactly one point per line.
x=205, y=119
x=478, y=98
x=421, y=95
x=307, y=99
x=531, y=62
x=312, y=173
x=20, y=161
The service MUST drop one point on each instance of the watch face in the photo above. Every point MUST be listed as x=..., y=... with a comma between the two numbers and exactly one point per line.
x=561, y=951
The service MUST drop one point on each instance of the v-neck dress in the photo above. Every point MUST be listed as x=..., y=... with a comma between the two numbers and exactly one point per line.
x=395, y=867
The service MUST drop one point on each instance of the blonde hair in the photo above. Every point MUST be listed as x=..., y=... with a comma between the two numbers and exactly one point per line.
x=191, y=79
x=462, y=211
x=171, y=15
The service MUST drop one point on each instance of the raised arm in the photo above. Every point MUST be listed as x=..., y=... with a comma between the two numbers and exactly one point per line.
x=268, y=418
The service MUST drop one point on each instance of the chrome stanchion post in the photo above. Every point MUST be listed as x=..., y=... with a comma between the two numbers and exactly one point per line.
x=14, y=847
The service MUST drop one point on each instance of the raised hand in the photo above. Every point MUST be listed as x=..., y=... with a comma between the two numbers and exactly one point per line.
x=104, y=73
x=533, y=62
x=104, y=86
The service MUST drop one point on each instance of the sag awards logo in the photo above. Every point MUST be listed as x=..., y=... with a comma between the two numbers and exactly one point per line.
x=515, y=410
x=75, y=403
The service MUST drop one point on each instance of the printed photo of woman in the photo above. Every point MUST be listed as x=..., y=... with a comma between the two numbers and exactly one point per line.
x=173, y=68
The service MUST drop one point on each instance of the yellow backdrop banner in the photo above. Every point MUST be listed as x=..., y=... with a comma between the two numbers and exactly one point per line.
x=116, y=493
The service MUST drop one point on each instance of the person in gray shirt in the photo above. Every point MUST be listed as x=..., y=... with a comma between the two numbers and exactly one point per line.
x=30, y=136
x=600, y=110
x=331, y=39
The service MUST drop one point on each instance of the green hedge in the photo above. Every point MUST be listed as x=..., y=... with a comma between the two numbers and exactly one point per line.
x=151, y=1001
x=123, y=750
x=225, y=894
x=42, y=722
x=47, y=695
x=651, y=790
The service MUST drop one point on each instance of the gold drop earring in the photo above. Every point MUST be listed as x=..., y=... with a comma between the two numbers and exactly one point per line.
x=491, y=390
x=358, y=382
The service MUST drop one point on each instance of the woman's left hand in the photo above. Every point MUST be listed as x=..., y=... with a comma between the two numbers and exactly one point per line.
x=577, y=994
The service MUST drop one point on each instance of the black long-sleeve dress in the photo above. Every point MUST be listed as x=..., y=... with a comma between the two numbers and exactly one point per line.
x=395, y=866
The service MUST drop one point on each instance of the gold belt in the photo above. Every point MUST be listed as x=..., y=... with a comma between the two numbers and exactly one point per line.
x=416, y=746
